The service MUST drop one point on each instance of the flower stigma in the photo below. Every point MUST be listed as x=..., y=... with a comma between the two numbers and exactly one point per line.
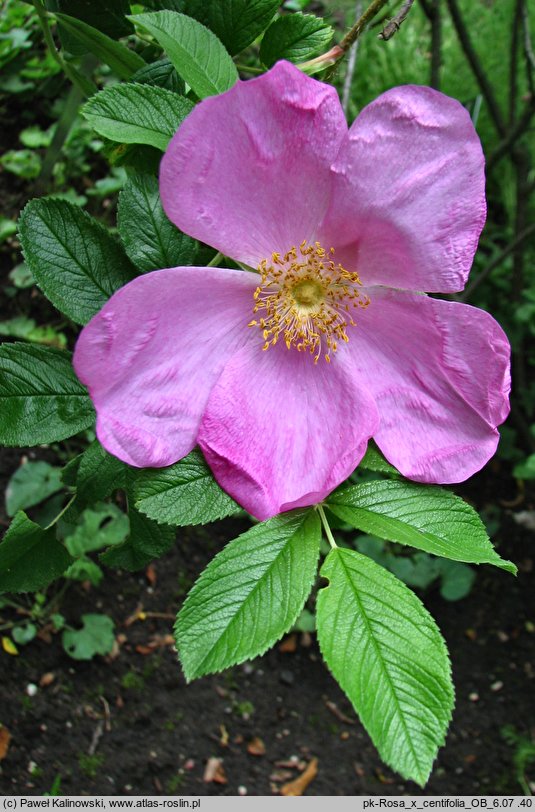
x=307, y=300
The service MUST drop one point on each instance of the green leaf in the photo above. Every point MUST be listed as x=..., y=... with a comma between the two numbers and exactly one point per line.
x=30, y=484
x=97, y=636
x=250, y=594
x=456, y=580
x=34, y=137
x=22, y=327
x=525, y=469
x=70, y=471
x=428, y=518
x=182, y=494
x=387, y=653
x=74, y=260
x=102, y=525
x=41, y=399
x=98, y=474
x=160, y=74
x=295, y=37
x=373, y=460
x=147, y=540
x=83, y=569
x=22, y=162
x=22, y=635
x=150, y=239
x=21, y=276
x=137, y=114
x=30, y=557
x=107, y=17
x=122, y=61
x=197, y=54
x=7, y=229
x=237, y=23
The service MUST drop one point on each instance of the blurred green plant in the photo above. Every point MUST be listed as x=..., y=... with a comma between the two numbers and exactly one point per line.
x=523, y=757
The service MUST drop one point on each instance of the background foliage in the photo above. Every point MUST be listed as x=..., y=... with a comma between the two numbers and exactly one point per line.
x=113, y=83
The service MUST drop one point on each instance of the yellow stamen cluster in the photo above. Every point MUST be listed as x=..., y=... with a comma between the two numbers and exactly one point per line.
x=307, y=299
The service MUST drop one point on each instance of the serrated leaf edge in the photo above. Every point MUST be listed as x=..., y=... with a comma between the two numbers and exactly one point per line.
x=421, y=780
x=190, y=675
x=500, y=563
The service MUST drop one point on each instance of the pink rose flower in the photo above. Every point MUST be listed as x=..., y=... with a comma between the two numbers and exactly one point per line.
x=281, y=378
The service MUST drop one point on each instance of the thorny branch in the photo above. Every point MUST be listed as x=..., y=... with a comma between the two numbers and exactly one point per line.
x=505, y=146
x=432, y=10
x=373, y=9
x=351, y=63
x=390, y=28
x=475, y=64
x=497, y=261
x=513, y=61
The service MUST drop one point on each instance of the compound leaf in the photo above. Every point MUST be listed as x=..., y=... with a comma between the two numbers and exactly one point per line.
x=137, y=114
x=237, y=23
x=182, y=494
x=430, y=519
x=295, y=37
x=147, y=540
x=197, y=54
x=150, y=239
x=250, y=594
x=388, y=655
x=30, y=557
x=41, y=399
x=122, y=61
x=74, y=260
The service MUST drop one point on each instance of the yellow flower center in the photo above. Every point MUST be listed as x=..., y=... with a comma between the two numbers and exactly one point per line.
x=307, y=299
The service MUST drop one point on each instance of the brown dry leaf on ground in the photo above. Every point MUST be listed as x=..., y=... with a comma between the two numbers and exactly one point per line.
x=5, y=738
x=158, y=641
x=289, y=644
x=335, y=710
x=214, y=772
x=299, y=785
x=47, y=679
x=150, y=574
x=256, y=747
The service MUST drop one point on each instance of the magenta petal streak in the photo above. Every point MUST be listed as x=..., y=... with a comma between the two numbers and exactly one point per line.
x=153, y=353
x=280, y=432
x=439, y=374
x=249, y=171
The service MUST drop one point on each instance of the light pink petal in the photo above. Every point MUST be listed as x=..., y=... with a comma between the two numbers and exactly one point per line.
x=248, y=171
x=151, y=355
x=439, y=372
x=280, y=432
x=408, y=200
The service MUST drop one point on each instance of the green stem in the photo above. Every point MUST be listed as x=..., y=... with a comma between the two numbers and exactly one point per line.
x=249, y=69
x=11, y=604
x=56, y=600
x=85, y=85
x=63, y=127
x=325, y=523
x=60, y=514
x=215, y=261
x=12, y=624
x=352, y=35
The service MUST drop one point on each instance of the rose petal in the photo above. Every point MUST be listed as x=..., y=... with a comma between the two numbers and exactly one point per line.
x=248, y=171
x=439, y=372
x=281, y=432
x=408, y=201
x=151, y=355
